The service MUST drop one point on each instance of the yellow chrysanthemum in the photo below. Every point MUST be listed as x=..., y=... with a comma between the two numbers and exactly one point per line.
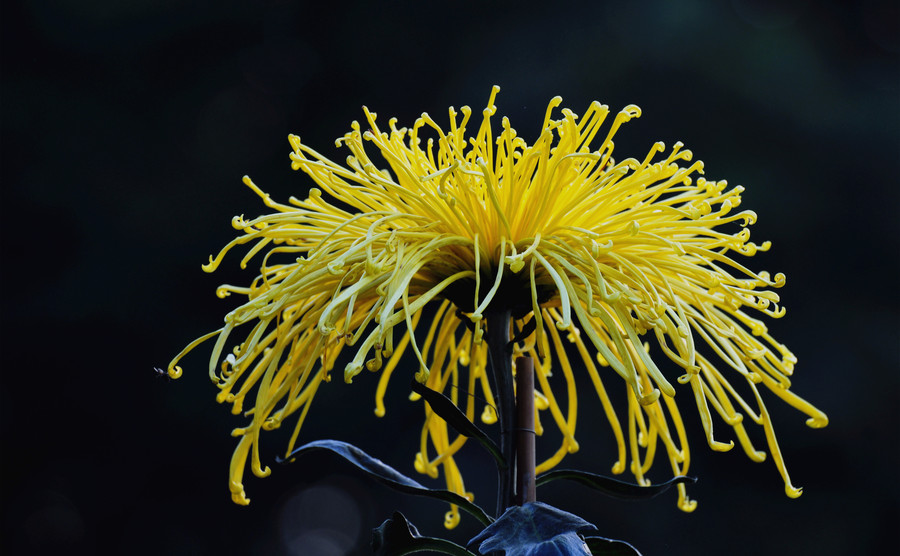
x=599, y=252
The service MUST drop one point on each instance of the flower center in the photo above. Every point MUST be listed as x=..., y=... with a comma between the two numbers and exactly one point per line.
x=514, y=293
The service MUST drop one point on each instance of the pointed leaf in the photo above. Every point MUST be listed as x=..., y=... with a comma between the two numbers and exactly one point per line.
x=612, y=487
x=389, y=476
x=397, y=536
x=447, y=410
x=601, y=546
x=520, y=336
x=535, y=529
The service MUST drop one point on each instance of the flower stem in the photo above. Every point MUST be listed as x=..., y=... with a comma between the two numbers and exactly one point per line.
x=525, y=435
x=501, y=368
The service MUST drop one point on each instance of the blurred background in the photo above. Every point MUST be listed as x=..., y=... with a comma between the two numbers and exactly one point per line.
x=125, y=129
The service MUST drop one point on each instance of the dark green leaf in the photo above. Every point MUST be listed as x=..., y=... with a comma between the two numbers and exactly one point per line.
x=397, y=536
x=389, y=476
x=612, y=487
x=527, y=329
x=447, y=410
x=535, y=529
x=600, y=546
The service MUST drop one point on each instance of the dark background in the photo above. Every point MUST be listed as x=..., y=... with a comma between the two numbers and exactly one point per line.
x=126, y=129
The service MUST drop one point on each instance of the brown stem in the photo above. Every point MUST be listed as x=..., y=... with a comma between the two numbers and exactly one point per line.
x=525, y=435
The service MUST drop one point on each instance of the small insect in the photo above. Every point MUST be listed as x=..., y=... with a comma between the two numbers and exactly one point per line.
x=161, y=373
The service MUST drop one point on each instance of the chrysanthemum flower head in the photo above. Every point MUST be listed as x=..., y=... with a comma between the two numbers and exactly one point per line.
x=577, y=247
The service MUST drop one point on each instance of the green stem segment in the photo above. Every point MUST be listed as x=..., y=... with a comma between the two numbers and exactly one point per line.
x=515, y=414
x=501, y=367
